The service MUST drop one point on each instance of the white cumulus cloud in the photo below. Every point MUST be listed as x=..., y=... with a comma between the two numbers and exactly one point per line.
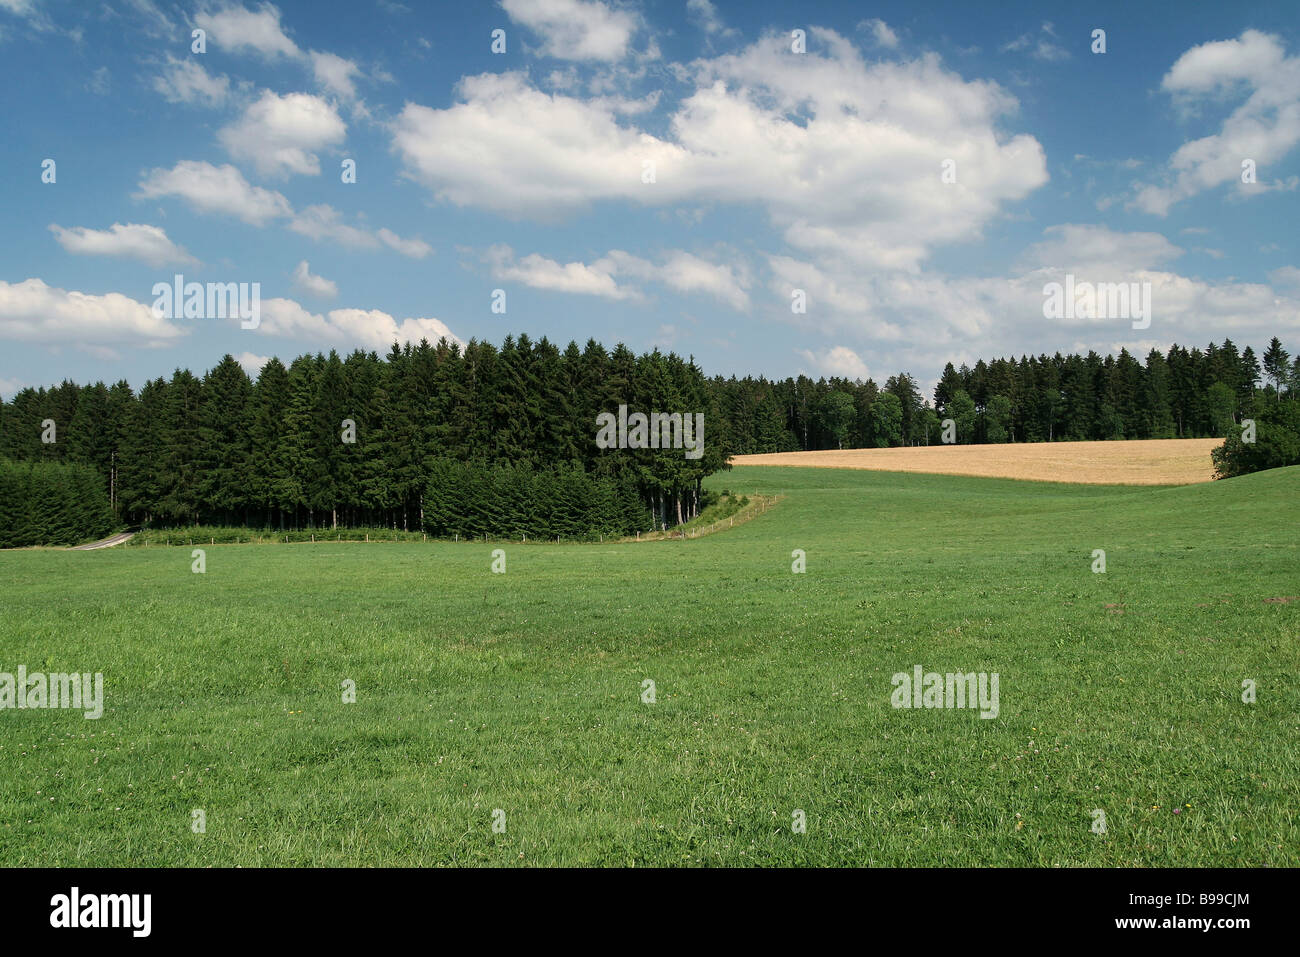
x=187, y=81
x=837, y=361
x=215, y=189
x=845, y=156
x=313, y=285
x=679, y=270
x=251, y=362
x=324, y=223
x=148, y=244
x=280, y=135
x=576, y=29
x=880, y=32
x=335, y=74
x=541, y=273
x=238, y=29
x=1265, y=127
x=364, y=328
x=31, y=311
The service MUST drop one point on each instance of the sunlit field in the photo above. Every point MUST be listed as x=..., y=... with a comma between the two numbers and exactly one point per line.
x=524, y=692
x=1134, y=462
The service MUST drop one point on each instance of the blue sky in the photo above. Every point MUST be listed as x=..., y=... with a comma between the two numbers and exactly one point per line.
x=774, y=170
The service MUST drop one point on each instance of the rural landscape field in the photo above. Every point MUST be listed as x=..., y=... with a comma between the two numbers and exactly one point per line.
x=1140, y=462
x=522, y=692
x=638, y=450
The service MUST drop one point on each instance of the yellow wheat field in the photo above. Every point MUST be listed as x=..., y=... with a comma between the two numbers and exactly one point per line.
x=1138, y=462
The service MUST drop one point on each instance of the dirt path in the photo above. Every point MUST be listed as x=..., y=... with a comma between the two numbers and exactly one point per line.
x=1135, y=462
x=104, y=543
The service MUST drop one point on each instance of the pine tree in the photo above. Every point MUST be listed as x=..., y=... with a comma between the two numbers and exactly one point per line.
x=1250, y=373
x=142, y=465
x=326, y=448
x=273, y=486
x=177, y=473
x=1276, y=365
x=222, y=461
x=1153, y=400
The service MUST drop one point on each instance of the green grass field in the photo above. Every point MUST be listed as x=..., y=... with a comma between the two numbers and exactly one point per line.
x=521, y=691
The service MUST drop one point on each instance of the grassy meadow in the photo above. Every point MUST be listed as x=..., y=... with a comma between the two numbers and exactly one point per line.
x=522, y=691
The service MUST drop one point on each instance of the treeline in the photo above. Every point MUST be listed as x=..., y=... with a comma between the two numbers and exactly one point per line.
x=494, y=441
x=51, y=503
x=467, y=500
x=358, y=441
x=1184, y=393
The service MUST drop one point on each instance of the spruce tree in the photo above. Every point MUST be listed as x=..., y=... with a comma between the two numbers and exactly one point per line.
x=1276, y=365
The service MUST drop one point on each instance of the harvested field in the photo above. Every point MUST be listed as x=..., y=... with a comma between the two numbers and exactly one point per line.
x=1139, y=462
